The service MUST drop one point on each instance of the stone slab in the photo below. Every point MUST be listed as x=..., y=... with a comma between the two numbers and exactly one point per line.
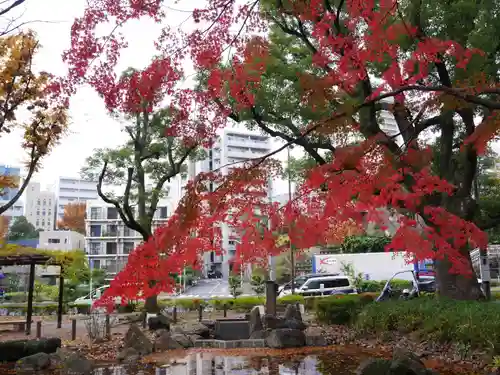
x=232, y=329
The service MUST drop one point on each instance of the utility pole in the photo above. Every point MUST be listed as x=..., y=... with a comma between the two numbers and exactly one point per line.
x=292, y=257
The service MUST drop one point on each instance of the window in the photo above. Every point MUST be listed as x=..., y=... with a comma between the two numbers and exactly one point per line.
x=96, y=264
x=54, y=240
x=231, y=242
x=163, y=212
x=43, y=213
x=313, y=284
x=128, y=247
x=38, y=213
x=112, y=230
x=44, y=202
x=95, y=248
x=95, y=213
x=38, y=202
x=95, y=231
x=43, y=223
x=112, y=213
x=111, y=248
x=37, y=223
x=127, y=232
x=65, y=240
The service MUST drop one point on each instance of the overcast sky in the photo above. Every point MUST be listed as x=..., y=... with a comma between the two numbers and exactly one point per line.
x=90, y=127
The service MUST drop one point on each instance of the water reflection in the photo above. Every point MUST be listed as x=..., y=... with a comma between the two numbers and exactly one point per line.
x=213, y=364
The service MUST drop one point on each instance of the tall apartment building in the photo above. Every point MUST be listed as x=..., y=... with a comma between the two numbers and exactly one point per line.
x=74, y=190
x=232, y=147
x=108, y=242
x=8, y=193
x=40, y=209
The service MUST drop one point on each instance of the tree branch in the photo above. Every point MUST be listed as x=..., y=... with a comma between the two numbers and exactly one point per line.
x=33, y=164
x=11, y=6
x=128, y=219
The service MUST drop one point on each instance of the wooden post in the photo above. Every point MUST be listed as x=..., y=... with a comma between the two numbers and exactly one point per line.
x=271, y=293
x=174, y=313
x=224, y=307
x=200, y=312
x=145, y=320
x=38, y=329
x=108, y=327
x=73, y=329
x=29, y=315
x=60, y=302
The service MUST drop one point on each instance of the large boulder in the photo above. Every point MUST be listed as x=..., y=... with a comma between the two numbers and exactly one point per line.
x=158, y=322
x=406, y=362
x=271, y=322
x=172, y=341
x=32, y=363
x=292, y=312
x=193, y=329
x=135, y=338
x=71, y=363
x=14, y=350
x=128, y=356
x=374, y=366
x=285, y=338
x=402, y=363
x=254, y=321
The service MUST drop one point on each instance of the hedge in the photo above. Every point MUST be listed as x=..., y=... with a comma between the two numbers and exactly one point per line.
x=22, y=308
x=341, y=309
x=472, y=323
x=373, y=286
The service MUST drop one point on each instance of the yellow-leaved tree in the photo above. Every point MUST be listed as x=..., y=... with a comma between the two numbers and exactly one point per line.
x=74, y=217
x=27, y=104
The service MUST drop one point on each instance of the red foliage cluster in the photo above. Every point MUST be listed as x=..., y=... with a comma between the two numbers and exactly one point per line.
x=362, y=180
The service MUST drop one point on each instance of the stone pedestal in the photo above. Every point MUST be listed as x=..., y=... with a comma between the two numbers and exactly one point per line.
x=271, y=296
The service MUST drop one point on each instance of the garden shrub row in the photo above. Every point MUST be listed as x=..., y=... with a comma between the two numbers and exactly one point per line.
x=22, y=308
x=471, y=324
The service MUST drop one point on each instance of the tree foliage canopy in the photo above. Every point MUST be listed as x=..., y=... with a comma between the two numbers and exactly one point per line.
x=328, y=77
x=74, y=217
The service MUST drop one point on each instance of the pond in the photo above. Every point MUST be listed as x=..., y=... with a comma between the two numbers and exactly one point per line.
x=206, y=363
x=239, y=362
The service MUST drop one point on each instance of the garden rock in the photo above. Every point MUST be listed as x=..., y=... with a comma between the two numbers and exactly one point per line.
x=70, y=363
x=285, y=338
x=259, y=335
x=182, y=340
x=128, y=355
x=292, y=312
x=255, y=321
x=193, y=329
x=158, y=322
x=270, y=321
x=312, y=340
x=374, y=366
x=403, y=360
x=135, y=338
x=165, y=342
x=14, y=350
x=35, y=362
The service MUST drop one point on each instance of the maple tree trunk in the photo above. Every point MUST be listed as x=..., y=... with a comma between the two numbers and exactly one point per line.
x=458, y=287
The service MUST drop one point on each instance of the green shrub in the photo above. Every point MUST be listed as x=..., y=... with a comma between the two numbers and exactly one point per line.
x=373, y=286
x=340, y=309
x=245, y=304
x=291, y=299
x=22, y=309
x=471, y=323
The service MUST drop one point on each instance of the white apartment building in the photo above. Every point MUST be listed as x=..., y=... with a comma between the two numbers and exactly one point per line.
x=74, y=190
x=108, y=242
x=40, y=207
x=8, y=193
x=230, y=150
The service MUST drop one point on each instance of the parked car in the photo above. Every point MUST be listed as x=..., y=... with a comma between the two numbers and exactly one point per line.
x=300, y=280
x=94, y=295
x=325, y=285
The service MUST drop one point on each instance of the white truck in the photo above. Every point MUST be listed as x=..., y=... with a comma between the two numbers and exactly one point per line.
x=373, y=266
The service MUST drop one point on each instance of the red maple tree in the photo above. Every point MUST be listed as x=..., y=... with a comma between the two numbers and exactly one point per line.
x=345, y=43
